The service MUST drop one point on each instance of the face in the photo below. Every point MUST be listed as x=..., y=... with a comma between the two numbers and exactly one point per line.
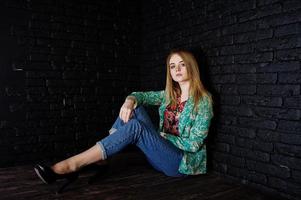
x=178, y=70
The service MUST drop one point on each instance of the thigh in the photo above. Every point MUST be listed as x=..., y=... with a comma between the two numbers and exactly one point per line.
x=140, y=114
x=160, y=153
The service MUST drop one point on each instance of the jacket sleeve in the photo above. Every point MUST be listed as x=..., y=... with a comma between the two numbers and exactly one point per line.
x=147, y=98
x=198, y=131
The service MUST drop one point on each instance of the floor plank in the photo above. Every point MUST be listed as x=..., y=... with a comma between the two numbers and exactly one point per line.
x=129, y=177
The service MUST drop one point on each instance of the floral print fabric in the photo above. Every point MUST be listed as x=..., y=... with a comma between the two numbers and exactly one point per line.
x=171, y=117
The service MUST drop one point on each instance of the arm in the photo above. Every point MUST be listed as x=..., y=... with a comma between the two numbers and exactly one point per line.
x=198, y=131
x=139, y=98
x=146, y=98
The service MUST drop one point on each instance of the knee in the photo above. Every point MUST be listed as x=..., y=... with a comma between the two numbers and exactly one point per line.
x=134, y=124
x=139, y=110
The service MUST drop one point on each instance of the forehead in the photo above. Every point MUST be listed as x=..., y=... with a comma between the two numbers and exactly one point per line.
x=175, y=58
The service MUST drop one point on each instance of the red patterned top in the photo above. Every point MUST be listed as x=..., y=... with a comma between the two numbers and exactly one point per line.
x=171, y=117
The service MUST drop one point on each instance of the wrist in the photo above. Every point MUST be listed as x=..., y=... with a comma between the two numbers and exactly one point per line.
x=132, y=100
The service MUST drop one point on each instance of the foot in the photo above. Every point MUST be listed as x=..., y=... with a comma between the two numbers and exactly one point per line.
x=45, y=173
x=48, y=176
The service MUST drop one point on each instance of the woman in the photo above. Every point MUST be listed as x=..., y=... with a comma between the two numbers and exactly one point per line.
x=185, y=113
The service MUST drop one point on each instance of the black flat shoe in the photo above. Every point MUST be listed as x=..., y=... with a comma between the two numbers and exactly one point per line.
x=48, y=176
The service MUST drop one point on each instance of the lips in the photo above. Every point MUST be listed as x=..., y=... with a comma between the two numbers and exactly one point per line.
x=178, y=74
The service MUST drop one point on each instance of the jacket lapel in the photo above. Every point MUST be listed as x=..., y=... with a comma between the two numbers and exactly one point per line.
x=185, y=118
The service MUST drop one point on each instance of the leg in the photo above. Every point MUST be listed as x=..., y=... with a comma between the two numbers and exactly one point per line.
x=139, y=113
x=94, y=154
x=78, y=161
x=161, y=154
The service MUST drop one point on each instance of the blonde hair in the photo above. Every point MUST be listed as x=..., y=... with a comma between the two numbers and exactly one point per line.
x=197, y=89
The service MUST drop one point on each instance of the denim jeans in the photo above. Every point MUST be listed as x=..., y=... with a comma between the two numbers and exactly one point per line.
x=139, y=130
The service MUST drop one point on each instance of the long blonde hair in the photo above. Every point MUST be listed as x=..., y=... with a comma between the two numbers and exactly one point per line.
x=197, y=89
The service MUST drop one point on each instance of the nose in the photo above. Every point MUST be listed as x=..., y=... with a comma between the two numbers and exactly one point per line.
x=178, y=68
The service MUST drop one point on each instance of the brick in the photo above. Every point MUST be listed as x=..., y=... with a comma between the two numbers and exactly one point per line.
x=223, y=78
x=292, y=102
x=273, y=90
x=293, y=188
x=223, y=147
x=247, y=89
x=257, y=177
x=289, y=126
x=242, y=132
x=268, y=10
x=230, y=100
x=286, y=162
x=288, y=54
x=291, y=29
x=268, y=169
x=264, y=34
x=257, y=123
x=266, y=78
x=278, y=67
x=280, y=19
x=238, y=151
x=38, y=66
x=244, y=38
x=244, y=142
x=254, y=58
x=229, y=89
x=221, y=60
x=223, y=69
x=237, y=172
x=225, y=138
x=262, y=101
x=246, y=78
x=277, y=44
x=296, y=175
x=243, y=68
x=220, y=167
x=288, y=149
x=266, y=2
x=258, y=155
x=291, y=5
x=263, y=146
x=237, y=111
x=220, y=157
x=35, y=82
x=236, y=161
x=239, y=28
x=290, y=77
x=236, y=49
x=277, y=113
x=277, y=183
x=290, y=139
x=247, y=16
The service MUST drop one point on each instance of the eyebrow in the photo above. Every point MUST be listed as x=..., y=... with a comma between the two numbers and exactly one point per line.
x=174, y=63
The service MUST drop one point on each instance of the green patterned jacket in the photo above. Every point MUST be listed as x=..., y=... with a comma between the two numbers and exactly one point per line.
x=193, y=129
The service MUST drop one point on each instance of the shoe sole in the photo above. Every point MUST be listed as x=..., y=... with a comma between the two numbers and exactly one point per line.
x=39, y=175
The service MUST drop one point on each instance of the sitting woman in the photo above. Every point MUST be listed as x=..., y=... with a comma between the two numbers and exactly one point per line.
x=177, y=149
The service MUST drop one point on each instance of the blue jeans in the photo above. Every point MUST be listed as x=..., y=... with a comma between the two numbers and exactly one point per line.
x=139, y=130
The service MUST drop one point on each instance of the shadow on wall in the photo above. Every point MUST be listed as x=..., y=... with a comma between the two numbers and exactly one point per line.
x=202, y=60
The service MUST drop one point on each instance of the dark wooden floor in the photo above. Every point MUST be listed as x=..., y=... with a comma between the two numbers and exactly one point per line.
x=136, y=180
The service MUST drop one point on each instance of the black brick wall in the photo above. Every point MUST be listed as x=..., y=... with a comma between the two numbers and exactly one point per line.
x=250, y=51
x=66, y=67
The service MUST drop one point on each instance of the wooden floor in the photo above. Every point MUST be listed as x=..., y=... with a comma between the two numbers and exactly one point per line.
x=136, y=180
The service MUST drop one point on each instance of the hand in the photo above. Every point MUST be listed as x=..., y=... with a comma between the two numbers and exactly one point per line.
x=126, y=110
x=163, y=134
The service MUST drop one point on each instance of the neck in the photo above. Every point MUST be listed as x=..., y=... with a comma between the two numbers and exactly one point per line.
x=184, y=88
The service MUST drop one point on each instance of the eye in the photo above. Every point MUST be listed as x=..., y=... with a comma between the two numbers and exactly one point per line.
x=182, y=64
x=172, y=66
